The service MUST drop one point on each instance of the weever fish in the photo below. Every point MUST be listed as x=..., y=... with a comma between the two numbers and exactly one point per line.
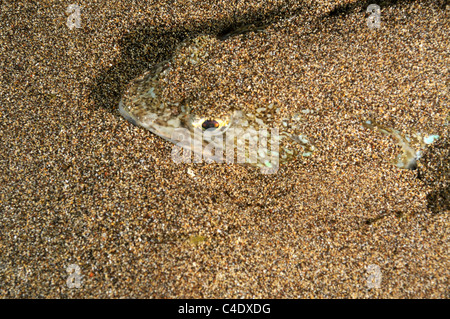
x=145, y=104
x=176, y=95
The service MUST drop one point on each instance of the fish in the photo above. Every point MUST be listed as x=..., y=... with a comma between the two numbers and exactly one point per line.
x=152, y=103
x=186, y=101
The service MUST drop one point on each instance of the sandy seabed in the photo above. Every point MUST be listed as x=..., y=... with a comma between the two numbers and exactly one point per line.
x=82, y=186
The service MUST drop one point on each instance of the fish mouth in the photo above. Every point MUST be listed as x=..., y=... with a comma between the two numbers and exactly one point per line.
x=164, y=132
x=127, y=115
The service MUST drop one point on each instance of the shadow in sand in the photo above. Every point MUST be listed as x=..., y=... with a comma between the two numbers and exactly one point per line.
x=436, y=173
x=141, y=49
x=438, y=201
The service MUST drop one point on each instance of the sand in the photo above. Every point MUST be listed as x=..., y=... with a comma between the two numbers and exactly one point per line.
x=82, y=186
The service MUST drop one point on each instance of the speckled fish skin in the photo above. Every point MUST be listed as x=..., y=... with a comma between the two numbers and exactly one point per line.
x=145, y=104
x=221, y=80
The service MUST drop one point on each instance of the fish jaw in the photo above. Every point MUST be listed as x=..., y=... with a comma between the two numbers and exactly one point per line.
x=147, y=122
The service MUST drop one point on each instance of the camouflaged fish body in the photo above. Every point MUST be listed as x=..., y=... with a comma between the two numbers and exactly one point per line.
x=230, y=130
x=227, y=129
x=412, y=145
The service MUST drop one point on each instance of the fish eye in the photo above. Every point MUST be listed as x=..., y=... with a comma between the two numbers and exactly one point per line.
x=210, y=123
